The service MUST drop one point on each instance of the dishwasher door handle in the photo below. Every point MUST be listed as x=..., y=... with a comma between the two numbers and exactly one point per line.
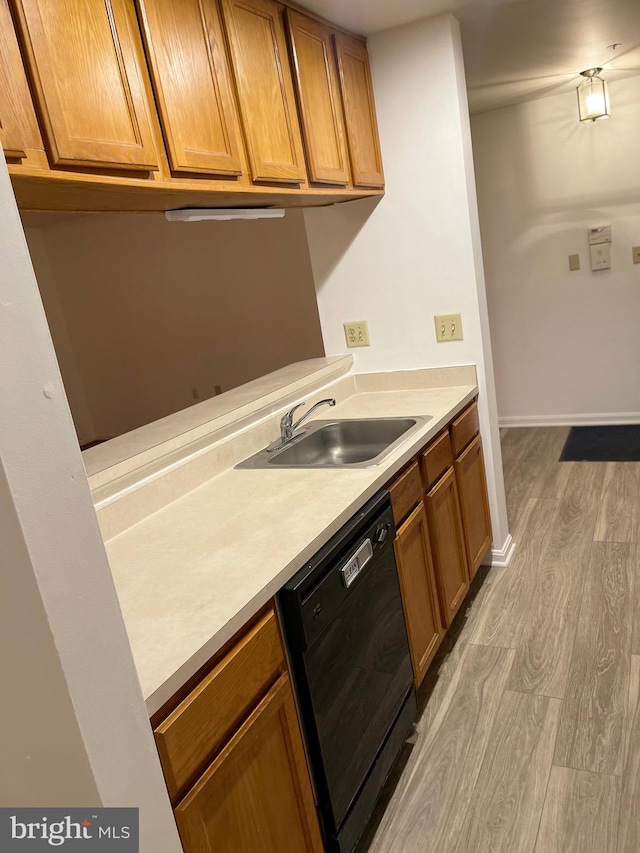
x=356, y=563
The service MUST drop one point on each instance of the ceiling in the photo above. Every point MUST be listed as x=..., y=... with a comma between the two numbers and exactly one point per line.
x=515, y=50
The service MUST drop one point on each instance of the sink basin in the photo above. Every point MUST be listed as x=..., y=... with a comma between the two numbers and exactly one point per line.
x=356, y=443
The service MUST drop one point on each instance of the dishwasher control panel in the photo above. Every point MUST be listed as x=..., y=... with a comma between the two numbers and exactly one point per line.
x=356, y=563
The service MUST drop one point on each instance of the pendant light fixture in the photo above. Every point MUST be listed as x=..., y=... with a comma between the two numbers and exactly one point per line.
x=593, y=96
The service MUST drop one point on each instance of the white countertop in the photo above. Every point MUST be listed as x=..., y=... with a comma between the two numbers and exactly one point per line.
x=192, y=573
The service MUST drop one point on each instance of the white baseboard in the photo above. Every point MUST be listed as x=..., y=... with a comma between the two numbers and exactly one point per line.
x=501, y=557
x=597, y=419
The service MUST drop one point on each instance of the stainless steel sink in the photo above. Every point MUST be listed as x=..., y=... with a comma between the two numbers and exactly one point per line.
x=350, y=443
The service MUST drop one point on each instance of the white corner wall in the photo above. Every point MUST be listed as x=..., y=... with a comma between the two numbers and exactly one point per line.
x=148, y=316
x=416, y=252
x=566, y=344
x=73, y=724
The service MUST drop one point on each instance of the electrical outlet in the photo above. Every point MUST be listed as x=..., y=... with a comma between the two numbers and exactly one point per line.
x=636, y=254
x=448, y=327
x=357, y=334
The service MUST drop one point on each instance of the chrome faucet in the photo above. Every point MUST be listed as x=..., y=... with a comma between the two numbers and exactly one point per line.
x=288, y=427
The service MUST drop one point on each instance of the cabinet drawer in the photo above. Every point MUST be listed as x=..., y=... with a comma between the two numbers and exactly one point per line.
x=436, y=459
x=210, y=714
x=464, y=428
x=406, y=493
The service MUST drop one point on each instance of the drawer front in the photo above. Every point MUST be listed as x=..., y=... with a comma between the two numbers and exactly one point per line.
x=465, y=427
x=201, y=724
x=406, y=493
x=436, y=459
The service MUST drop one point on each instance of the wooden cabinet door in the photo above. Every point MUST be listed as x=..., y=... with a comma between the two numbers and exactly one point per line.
x=474, y=503
x=448, y=548
x=419, y=595
x=18, y=126
x=256, y=796
x=318, y=89
x=265, y=90
x=192, y=82
x=85, y=62
x=359, y=112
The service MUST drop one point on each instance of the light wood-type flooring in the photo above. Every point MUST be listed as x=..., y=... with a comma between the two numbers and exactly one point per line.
x=529, y=734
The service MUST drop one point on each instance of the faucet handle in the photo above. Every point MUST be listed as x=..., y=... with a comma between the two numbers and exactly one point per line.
x=287, y=420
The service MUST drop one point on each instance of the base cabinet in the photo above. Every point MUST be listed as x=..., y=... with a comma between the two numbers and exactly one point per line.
x=418, y=588
x=441, y=511
x=232, y=754
x=255, y=797
x=472, y=487
x=449, y=556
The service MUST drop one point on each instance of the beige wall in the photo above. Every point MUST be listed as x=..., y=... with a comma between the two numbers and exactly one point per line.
x=566, y=344
x=417, y=252
x=143, y=311
x=60, y=334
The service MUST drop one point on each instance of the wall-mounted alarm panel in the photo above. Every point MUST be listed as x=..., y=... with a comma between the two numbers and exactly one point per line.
x=600, y=247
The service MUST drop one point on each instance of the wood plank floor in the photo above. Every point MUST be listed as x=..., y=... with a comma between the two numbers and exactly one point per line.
x=528, y=739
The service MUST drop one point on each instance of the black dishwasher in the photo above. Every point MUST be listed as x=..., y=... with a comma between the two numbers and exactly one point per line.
x=345, y=630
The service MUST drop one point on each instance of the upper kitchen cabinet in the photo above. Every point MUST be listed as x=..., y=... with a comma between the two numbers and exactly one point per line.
x=318, y=90
x=360, y=114
x=19, y=131
x=153, y=105
x=192, y=83
x=84, y=59
x=265, y=90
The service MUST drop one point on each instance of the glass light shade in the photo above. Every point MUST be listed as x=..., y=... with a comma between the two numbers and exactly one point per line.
x=593, y=97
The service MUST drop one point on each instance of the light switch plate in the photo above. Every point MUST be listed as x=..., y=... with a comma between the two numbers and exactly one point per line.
x=357, y=334
x=636, y=254
x=448, y=327
x=574, y=263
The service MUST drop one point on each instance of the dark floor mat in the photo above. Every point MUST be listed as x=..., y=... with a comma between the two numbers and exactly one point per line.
x=602, y=444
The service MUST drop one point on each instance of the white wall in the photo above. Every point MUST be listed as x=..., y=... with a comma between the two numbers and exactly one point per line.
x=417, y=251
x=143, y=311
x=73, y=724
x=566, y=344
